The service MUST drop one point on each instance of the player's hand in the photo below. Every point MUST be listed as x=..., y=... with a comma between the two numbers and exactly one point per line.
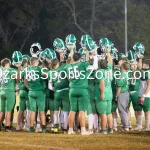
x=70, y=47
x=102, y=97
x=108, y=50
x=141, y=100
x=94, y=53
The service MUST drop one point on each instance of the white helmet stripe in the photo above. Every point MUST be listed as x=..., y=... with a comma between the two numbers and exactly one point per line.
x=88, y=41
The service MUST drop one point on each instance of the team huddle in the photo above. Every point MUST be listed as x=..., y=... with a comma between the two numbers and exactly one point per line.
x=58, y=87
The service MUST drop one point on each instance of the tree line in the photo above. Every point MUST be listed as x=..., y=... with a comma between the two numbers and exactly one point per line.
x=25, y=22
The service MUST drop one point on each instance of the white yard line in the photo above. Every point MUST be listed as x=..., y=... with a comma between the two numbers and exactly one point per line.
x=36, y=146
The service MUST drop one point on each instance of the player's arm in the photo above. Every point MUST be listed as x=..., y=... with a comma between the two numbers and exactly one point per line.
x=102, y=88
x=140, y=64
x=71, y=49
x=19, y=73
x=109, y=58
x=61, y=57
x=87, y=55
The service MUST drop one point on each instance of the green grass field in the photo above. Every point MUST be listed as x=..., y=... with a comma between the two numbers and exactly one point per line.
x=37, y=141
x=31, y=141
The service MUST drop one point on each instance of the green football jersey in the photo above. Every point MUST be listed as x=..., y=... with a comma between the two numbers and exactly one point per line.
x=7, y=81
x=21, y=81
x=59, y=78
x=134, y=84
x=106, y=76
x=123, y=82
x=116, y=73
x=77, y=74
x=34, y=78
x=91, y=85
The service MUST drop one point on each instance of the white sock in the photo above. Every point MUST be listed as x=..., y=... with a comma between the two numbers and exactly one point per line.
x=28, y=119
x=56, y=117
x=139, y=120
x=83, y=129
x=147, y=121
x=90, y=121
x=38, y=117
x=115, y=124
x=65, y=114
x=71, y=129
x=95, y=121
x=61, y=119
x=38, y=125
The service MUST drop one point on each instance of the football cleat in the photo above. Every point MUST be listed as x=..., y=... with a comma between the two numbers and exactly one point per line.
x=103, y=132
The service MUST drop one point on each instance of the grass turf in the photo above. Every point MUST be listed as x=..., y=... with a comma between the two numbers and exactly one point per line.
x=31, y=141
x=119, y=141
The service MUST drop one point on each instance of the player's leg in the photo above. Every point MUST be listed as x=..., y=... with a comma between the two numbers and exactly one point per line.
x=129, y=114
x=41, y=108
x=10, y=102
x=146, y=109
x=123, y=101
x=83, y=103
x=51, y=108
x=33, y=109
x=109, y=116
x=2, y=109
x=114, y=114
x=102, y=108
x=73, y=109
x=65, y=108
x=90, y=117
x=137, y=109
x=27, y=113
x=57, y=105
x=22, y=106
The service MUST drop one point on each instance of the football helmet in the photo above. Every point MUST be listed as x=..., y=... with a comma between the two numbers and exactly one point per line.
x=139, y=50
x=49, y=54
x=35, y=49
x=131, y=56
x=17, y=58
x=105, y=43
x=59, y=45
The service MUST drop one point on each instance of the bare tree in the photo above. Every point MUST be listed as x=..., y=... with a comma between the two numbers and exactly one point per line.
x=6, y=33
x=95, y=8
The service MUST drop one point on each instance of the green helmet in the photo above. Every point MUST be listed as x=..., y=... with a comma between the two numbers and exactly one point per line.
x=59, y=45
x=17, y=58
x=82, y=53
x=90, y=45
x=105, y=43
x=114, y=52
x=49, y=54
x=26, y=57
x=122, y=55
x=35, y=49
x=42, y=56
x=84, y=38
x=139, y=49
x=115, y=56
x=131, y=56
x=70, y=40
